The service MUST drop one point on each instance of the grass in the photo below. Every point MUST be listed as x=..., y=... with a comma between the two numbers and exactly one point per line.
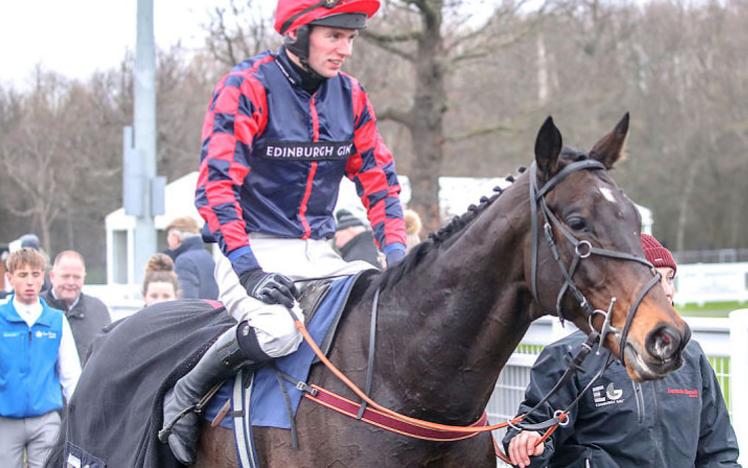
x=710, y=309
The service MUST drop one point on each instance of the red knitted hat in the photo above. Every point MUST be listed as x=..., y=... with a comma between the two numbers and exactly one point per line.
x=657, y=255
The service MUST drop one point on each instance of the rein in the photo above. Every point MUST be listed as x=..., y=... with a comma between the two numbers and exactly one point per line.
x=373, y=413
x=400, y=423
x=385, y=418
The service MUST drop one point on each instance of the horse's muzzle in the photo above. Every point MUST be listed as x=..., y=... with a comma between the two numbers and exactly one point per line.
x=664, y=347
x=664, y=343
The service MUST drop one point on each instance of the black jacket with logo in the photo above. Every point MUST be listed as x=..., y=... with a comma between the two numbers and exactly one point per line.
x=680, y=421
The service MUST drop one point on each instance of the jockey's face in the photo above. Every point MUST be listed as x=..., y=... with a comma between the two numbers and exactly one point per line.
x=329, y=48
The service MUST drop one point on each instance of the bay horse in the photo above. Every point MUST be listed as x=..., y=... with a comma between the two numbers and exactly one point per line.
x=458, y=305
x=562, y=238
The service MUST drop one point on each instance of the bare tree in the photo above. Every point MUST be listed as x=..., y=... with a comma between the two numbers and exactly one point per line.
x=459, y=92
x=436, y=48
x=238, y=31
x=36, y=155
x=54, y=157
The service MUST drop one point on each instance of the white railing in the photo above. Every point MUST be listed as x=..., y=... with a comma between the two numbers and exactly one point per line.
x=700, y=283
x=724, y=340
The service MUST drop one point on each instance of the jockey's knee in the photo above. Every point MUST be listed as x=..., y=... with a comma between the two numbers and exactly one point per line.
x=279, y=337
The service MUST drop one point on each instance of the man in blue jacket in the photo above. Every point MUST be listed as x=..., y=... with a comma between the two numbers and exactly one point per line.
x=38, y=364
x=679, y=421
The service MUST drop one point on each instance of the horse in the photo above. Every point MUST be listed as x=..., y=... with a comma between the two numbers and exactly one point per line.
x=458, y=305
x=562, y=238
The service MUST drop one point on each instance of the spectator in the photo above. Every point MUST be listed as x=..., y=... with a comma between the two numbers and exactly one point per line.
x=86, y=314
x=38, y=365
x=413, y=227
x=30, y=241
x=192, y=263
x=679, y=421
x=160, y=283
x=353, y=241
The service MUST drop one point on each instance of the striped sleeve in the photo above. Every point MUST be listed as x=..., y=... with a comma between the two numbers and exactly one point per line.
x=372, y=169
x=235, y=115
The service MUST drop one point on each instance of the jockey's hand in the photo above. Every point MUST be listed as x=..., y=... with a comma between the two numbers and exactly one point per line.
x=270, y=288
x=522, y=447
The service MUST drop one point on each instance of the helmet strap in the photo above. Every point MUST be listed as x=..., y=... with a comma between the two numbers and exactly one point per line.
x=300, y=48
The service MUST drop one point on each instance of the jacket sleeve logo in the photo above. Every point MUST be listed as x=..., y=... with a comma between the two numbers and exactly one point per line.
x=306, y=151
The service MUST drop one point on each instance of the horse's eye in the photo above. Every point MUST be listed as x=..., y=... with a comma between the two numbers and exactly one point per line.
x=576, y=223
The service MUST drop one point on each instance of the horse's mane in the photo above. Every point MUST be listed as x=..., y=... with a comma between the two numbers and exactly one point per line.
x=444, y=236
x=450, y=232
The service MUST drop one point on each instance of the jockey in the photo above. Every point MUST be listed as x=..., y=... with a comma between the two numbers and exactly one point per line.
x=281, y=130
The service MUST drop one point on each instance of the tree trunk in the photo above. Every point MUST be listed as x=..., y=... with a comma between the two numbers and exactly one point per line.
x=684, y=206
x=427, y=125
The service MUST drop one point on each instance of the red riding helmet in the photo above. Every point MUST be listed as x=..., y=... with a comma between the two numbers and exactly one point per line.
x=291, y=14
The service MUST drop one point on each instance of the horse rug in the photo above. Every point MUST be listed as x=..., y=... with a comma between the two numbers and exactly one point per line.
x=117, y=410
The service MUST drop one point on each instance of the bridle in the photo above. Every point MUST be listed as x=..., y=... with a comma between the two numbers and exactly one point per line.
x=582, y=249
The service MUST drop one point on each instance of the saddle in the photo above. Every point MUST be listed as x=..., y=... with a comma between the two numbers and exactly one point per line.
x=310, y=301
x=277, y=387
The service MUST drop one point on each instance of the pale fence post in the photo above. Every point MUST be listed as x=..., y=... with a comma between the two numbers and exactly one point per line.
x=739, y=378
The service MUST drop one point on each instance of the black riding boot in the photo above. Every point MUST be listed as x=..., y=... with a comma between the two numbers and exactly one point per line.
x=235, y=348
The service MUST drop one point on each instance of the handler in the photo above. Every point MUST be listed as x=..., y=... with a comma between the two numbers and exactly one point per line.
x=678, y=421
x=281, y=130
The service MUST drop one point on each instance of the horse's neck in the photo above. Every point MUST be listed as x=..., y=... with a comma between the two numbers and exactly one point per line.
x=456, y=318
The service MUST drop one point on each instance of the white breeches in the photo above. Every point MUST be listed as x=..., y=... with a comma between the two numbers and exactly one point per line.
x=295, y=258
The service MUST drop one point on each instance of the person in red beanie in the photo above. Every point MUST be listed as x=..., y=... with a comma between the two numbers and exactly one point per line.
x=663, y=261
x=680, y=420
x=281, y=130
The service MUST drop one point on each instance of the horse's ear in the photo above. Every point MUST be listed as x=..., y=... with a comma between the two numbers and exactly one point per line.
x=547, y=148
x=610, y=148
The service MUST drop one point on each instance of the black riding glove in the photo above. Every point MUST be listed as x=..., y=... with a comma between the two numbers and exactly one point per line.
x=270, y=288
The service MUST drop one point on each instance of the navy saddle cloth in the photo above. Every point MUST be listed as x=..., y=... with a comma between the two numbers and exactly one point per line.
x=267, y=407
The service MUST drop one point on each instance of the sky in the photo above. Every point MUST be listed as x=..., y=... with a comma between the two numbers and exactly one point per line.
x=77, y=37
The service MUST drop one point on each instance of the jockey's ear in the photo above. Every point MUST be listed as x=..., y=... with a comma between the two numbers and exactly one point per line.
x=548, y=146
x=610, y=147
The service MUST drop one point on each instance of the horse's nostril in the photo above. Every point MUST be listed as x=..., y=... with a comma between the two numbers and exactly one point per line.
x=664, y=343
x=665, y=339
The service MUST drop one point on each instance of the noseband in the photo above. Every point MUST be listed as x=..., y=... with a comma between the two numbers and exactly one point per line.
x=582, y=250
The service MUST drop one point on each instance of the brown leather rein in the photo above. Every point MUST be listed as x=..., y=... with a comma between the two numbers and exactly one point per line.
x=400, y=423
